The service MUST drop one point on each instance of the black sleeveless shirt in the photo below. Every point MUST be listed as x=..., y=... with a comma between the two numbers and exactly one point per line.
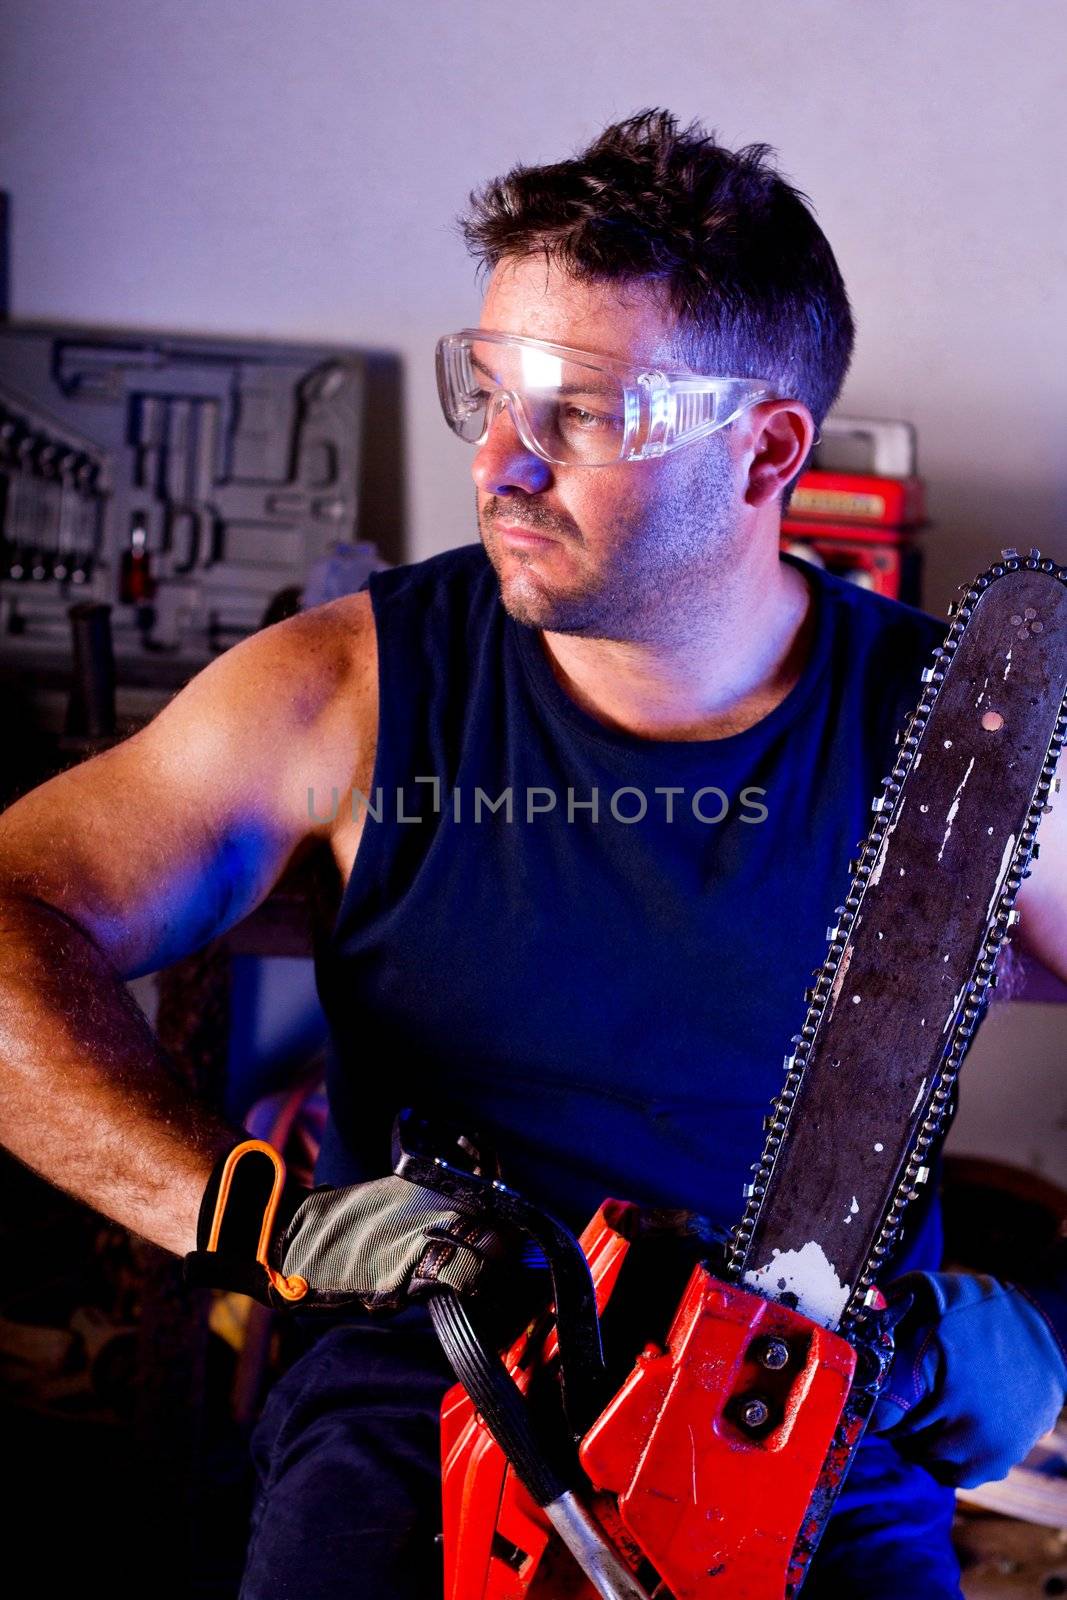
x=590, y=946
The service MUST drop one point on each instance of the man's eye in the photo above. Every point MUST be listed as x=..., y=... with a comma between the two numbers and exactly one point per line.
x=590, y=420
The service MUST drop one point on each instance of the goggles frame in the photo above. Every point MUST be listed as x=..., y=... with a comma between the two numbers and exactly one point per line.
x=663, y=410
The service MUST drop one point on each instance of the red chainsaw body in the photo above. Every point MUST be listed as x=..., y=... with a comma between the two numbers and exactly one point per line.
x=681, y=1484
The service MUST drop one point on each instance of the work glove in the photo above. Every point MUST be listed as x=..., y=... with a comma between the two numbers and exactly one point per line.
x=375, y=1245
x=979, y=1375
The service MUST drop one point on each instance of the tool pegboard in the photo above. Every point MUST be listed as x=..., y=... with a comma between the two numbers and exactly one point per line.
x=185, y=482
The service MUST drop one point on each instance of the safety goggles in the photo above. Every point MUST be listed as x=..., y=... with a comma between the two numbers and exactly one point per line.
x=578, y=409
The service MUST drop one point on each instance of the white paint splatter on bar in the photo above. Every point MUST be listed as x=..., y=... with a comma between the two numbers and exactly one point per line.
x=957, y=997
x=955, y=806
x=808, y=1274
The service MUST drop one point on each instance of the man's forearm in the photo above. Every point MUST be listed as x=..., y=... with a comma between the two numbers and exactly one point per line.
x=88, y=1097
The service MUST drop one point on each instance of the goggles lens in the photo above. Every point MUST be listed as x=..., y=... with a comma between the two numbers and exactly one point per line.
x=576, y=409
x=564, y=409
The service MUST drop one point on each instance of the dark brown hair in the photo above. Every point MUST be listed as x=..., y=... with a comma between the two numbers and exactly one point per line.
x=735, y=249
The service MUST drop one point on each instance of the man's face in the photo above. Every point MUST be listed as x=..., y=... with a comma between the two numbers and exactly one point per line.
x=618, y=552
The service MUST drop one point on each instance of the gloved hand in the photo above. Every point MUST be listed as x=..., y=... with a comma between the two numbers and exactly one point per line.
x=979, y=1375
x=376, y=1244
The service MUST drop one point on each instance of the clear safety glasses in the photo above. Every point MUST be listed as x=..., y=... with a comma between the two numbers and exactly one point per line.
x=578, y=409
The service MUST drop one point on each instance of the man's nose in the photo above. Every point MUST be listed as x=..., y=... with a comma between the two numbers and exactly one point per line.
x=503, y=464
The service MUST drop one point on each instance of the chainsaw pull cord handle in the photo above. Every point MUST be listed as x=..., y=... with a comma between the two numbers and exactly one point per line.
x=503, y=1409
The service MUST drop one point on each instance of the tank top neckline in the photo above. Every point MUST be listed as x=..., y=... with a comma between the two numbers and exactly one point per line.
x=550, y=692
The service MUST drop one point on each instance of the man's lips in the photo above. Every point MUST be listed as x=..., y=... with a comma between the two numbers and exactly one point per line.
x=522, y=536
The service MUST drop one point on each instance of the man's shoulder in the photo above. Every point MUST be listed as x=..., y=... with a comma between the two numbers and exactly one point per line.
x=872, y=653
x=872, y=634
x=870, y=615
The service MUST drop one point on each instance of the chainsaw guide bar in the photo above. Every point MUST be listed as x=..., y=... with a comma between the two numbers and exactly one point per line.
x=912, y=952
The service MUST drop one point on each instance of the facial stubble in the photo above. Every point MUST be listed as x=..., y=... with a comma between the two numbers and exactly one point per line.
x=662, y=575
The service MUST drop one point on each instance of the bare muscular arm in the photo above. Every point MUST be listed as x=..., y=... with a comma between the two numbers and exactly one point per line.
x=138, y=857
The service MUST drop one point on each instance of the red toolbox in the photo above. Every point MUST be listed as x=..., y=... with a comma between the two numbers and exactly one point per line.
x=861, y=519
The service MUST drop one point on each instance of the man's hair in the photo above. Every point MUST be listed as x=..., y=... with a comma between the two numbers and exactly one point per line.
x=733, y=248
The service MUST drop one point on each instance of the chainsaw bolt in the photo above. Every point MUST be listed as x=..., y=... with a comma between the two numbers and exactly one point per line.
x=773, y=1354
x=754, y=1412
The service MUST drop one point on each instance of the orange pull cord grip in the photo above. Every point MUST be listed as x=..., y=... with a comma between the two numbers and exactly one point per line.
x=292, y=1288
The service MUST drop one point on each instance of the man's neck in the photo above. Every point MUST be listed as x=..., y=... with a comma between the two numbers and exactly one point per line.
x=729, y=669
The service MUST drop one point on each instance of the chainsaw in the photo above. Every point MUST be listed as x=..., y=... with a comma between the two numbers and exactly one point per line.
x=677, y=1423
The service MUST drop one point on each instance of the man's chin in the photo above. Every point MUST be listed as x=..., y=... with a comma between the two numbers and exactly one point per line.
x=528, y=602
x=529, y=598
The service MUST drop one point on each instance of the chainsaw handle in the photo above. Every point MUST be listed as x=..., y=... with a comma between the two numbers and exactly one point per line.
x=583, y=1376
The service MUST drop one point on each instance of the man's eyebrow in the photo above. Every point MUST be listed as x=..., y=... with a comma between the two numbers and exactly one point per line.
x=606, y=388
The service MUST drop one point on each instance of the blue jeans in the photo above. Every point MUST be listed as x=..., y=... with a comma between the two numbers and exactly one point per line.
x=348, y=1504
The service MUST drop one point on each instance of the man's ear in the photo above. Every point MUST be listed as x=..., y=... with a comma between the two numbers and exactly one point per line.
x=781, y=435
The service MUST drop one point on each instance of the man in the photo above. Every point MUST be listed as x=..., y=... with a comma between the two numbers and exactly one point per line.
x=604, y=971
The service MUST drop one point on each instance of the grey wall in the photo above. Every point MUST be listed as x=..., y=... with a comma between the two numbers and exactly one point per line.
x=284, y=169
x=291, y=169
